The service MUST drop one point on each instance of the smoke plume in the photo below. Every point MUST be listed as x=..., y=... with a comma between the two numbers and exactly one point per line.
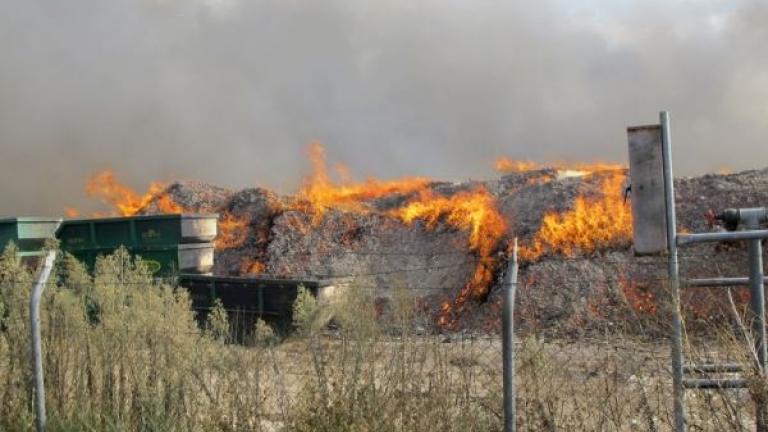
x=231, y=92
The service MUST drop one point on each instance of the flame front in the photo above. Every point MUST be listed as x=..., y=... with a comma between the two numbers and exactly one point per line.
x=564, y=169
x=252, y=266
x=507, y=165
x=126, y=201
x=475, y=212
x=320, y=193
x=591, y=224
x=232, y=231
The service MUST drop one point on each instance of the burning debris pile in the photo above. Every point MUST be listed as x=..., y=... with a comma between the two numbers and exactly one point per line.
x=448, y=243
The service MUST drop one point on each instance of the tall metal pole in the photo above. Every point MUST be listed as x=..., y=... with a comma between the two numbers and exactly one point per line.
x=37, y=348
x=757, y=296
x=508, y=342
x=674, y=274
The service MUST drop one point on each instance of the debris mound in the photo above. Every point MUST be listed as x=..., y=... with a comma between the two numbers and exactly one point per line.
x=365, y=244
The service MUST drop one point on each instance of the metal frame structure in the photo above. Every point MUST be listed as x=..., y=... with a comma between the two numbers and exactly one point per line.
x=750, y=220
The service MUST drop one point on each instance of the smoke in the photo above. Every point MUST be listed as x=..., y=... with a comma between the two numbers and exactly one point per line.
x=231, y=92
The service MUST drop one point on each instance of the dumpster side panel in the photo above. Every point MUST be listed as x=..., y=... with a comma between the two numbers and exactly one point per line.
x=158, y=231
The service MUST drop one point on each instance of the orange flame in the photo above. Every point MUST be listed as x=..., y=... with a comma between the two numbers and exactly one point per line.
x=474, y=211
x=125, y=200
x=320, y=193
x=564, y=169
x=507, y=165
x=590, y=225
x=250, y=266
x=71, y=212
x=232, y=231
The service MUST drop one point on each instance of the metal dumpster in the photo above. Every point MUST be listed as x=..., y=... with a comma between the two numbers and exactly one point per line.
x=246, y=299
x=137, y=231
x=163, y=261
x=28, y=233
x=169, y=243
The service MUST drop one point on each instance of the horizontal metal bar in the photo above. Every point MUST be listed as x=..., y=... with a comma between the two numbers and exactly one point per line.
x=714, y=384
x=713, y=368
x=686, y=239
x=719, y=282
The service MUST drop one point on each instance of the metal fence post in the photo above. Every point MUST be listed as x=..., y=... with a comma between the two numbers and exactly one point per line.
x=757, y=296
x=508, y=343
x=674, y=274
x=37, y=348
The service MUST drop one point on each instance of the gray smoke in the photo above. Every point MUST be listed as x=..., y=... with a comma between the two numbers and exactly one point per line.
x=231, y=92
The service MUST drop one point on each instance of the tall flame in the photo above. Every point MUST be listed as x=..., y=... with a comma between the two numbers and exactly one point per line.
x=232, y=231
x=591, y=224
x=474, y=211
x=126, y=201
x=321, y=193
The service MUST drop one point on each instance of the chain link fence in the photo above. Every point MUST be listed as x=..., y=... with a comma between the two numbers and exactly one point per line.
x=123, y=351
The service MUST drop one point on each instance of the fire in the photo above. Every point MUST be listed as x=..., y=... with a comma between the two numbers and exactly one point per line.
x=71, y=212
x=320, y=193
x=232, y=231
x=473, y=211
x=592, y=224
x=250, y=266
x=564, y=169
x=126, y=201
x=507, y=165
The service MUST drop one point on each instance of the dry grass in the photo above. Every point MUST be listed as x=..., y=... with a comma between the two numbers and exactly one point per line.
x=123, y=353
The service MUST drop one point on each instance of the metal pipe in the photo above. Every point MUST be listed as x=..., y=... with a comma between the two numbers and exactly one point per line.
x=508, y=343
x=37, y=348
x=674, y=273
x=686, y=239
x=713, y=368
x=719, y=282
x=715, y=384
x=757, y=303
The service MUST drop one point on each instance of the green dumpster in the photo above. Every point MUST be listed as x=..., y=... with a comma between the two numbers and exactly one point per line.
x=28, y=233
x=169, y=243
x=195, y=258
x=137, y=232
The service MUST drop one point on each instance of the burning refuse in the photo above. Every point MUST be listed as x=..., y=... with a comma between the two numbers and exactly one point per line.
x=591, y=224
x=320, y=193
x=233, y=231
x=126, y=201
x=595, y=220
x=474, y=211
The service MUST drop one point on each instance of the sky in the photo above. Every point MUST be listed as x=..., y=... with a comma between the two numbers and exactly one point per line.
x=232, y=92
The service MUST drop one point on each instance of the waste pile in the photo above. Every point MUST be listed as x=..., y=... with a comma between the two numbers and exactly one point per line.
x=449, y=243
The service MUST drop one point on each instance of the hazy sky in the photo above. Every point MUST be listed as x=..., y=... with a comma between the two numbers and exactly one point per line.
x=232, y=91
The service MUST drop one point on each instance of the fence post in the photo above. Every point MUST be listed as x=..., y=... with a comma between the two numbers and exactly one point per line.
x=757, y=291
x=508, y=342
x=37, y=348
x=674, y=274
